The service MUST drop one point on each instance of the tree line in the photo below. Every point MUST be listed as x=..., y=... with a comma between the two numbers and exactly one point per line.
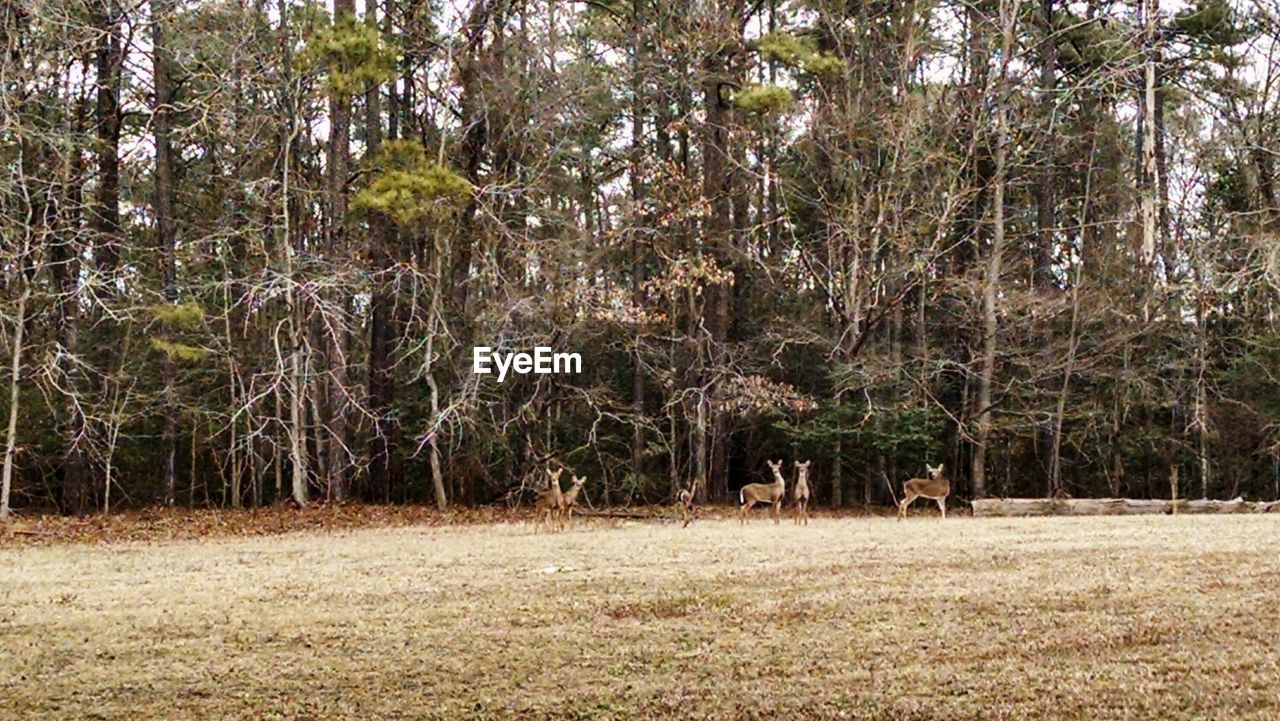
x=249, y=246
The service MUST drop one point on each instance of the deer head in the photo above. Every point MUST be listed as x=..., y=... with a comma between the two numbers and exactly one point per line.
x=934, y=473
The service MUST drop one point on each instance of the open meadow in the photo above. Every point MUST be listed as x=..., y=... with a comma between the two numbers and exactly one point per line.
x=1064, y=618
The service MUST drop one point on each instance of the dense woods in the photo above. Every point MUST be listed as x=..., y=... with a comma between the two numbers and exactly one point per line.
x=249, y=245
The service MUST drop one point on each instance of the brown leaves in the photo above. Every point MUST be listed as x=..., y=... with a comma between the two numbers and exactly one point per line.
x=759, y=394
x=156, y=524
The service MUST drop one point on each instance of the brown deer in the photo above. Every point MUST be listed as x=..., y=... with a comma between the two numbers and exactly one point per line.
x=801, y=492
x=936, y=486
x=771, y=493
x=569, y=499
x=551, y=499
x=687, y=510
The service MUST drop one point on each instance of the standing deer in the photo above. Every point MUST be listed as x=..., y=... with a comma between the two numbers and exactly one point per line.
x=936, y=486
x=569, y=499
x=772, y=493
x=687, y=511
x=551, y=499
x=801, y=492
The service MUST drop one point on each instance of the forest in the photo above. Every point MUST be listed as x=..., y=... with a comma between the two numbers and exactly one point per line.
x=247, y=248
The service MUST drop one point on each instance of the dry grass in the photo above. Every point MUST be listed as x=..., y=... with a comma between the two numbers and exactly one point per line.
x=1063, y=618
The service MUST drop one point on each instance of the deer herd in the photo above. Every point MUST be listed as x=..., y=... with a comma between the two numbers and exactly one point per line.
x=555, y=507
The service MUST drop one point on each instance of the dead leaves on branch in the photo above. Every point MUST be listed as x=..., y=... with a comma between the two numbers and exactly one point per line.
x=759, y=394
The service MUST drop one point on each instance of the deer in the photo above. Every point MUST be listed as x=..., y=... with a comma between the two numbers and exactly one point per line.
x=686, y=498
x=551, y=499
x=771, y=493
x=569, y=499
x=801, y=492
x=936, y=487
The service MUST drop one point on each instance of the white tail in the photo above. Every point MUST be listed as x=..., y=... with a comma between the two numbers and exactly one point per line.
x=550, y=500
x=936, y=487
x=687, y=510
x=771, y=493
x=801, y=492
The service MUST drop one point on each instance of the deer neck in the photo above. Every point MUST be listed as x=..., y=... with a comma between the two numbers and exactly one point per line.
x=779, y=482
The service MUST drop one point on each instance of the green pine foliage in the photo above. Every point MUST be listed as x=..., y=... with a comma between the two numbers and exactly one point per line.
x=180, y=351
x=189, y=314
x=407, y=188
x=799, y=53
x=352, y=55
x=762, y=99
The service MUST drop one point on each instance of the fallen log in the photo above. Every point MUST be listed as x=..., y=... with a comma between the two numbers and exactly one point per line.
x=637, y=515
x=1204, y=505
x=1018, y=507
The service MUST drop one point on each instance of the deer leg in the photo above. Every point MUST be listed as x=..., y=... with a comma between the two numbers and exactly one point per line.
x=942, y=506
x=902, y=507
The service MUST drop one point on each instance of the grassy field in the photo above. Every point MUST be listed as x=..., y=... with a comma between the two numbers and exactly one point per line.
x=1046, y=618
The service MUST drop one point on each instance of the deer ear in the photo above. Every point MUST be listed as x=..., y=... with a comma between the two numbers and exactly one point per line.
x=930, y=468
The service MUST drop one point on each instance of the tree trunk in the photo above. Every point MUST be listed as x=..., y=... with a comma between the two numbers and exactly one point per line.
x=433, y=429
x=638, y=218
x=1043, y=255
x=297, y=385
x=716, y=191
x=1073, y=338
x=336, y=342
x=990, y=291
x=15, y=382
x=162, y=121
x=837, y=472
x=106, y=211
x=1150, y=170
